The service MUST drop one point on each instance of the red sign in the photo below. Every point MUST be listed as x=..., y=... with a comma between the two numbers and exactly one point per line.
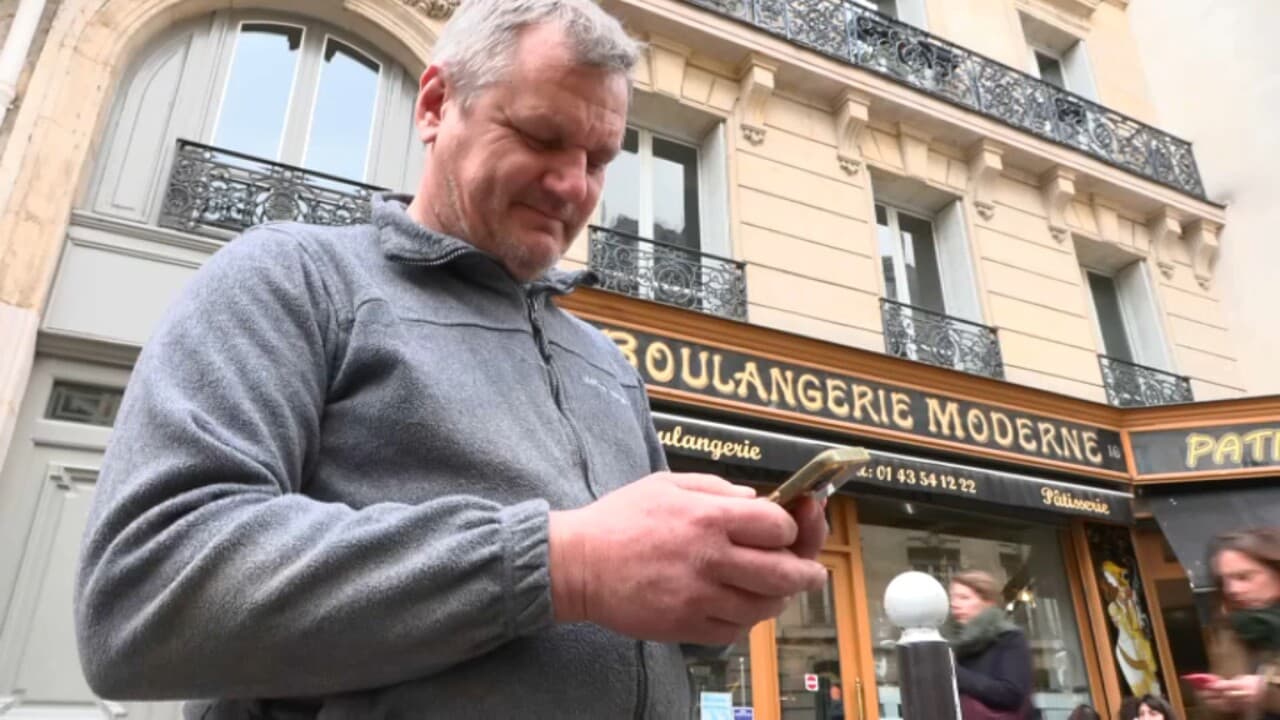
x=811, y=682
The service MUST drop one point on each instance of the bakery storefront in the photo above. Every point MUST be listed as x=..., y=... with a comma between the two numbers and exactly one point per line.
x=966, y=473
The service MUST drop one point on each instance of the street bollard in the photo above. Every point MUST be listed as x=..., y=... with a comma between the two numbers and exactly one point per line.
x=918, y=604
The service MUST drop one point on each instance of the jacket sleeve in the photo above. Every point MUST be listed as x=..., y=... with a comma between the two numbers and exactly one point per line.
x=206, y=572
x=1010, y=685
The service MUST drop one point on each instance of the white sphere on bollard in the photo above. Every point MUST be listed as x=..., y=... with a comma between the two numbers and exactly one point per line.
x=917, y=603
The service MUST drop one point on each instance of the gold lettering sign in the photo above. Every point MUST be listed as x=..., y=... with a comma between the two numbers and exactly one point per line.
x=1254, y=447
x=761, y=382
x=1070, y=501
x=715, y=449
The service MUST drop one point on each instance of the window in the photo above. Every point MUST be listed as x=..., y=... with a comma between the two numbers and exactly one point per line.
x=1058, y=57
x=259, y=86
x=87, y=404
x=278, y=71
x=908, y=11
x=651, y=190
x=1049, y=68
x=1110, y=314
x=342, y=121
x=287, y=90
x=909, y=259
x=1026, y=558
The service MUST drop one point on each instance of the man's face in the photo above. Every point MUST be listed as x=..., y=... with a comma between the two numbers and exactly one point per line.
x=517, y=173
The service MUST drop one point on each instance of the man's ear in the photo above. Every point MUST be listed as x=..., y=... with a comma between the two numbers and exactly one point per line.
x=428, y=113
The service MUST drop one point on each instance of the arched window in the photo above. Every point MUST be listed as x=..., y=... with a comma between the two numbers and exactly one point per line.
x=239, y=100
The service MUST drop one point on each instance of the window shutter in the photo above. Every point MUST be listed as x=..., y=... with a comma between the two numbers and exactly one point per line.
x=714, y=193
x=1079, y=73
x=1141, y=318
x=958, y=286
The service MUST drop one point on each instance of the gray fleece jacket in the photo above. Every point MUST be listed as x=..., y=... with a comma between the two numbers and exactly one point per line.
x=328, y=488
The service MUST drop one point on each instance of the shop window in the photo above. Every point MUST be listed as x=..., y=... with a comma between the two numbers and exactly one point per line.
x=1058, y=57
x=808, y=644
x=1026, y=558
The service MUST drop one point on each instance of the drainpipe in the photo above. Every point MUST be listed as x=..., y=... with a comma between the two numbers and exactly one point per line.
x=14, y=53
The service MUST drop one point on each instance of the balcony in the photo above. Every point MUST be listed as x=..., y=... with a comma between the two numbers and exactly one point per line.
x=917, y=334
x=217, y=192
x=863, y=38
x=1132, y=385
x=668, y=273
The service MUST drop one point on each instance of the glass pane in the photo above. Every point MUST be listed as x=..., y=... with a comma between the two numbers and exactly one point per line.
x=675, y=193
x=888, y=7
x=1106, y=302
x=259, y=86
x=1186, y=638
x=620, y=204
x=1027, y=558
x=89, y=404
x=1051, y=70
x=342, y=121
x=923, y=278
x=728, y=674
x=888, y=249
x=808, y=645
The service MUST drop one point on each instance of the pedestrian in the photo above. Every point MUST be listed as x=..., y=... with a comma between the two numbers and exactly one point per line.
x=1146, y=707
x=373, y=471
x=993, y=659
x=1244, y=652
x=1084, y=712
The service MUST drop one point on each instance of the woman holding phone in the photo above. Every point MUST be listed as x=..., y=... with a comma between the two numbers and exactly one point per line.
x=1244, y=653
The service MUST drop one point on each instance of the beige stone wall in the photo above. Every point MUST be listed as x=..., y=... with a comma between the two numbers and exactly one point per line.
x=1230, y=117
x=805, y=228
x=7, y=10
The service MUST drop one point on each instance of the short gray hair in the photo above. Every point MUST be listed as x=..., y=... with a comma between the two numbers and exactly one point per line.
x=475, y=46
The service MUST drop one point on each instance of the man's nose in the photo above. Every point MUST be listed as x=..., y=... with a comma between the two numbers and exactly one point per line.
x=567, y=178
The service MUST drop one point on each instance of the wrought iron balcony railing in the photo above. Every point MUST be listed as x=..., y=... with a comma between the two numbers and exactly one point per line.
x=1132, y=385
x=917, y=334
x=668, y=273
x=211, y=189
x=869, y=40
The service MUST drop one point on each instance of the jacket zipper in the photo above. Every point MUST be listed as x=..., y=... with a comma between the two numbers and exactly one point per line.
x=642, y=681
x=553, y=379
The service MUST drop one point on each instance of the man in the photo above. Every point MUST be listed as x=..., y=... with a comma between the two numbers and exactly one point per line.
x=374, y=471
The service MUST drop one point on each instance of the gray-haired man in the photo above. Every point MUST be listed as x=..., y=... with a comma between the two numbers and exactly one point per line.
x=373, y=471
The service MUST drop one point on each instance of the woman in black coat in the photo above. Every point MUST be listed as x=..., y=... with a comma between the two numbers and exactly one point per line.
x=993, y=660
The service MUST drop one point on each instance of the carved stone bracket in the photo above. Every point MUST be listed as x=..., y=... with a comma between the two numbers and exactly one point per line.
x=757, y=83
x=914, y=144
x=1058, y=187
x=434, y=9
x=852, y=113
x=986, y=162
x=1166, y=233
x=1202, y=236
x=667, y=62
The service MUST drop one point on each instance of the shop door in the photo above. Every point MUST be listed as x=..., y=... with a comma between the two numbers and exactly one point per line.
x=46, y=487
x=814, y=649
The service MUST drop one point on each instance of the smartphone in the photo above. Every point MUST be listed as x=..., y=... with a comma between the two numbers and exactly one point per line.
x=822, y=475
x=1200, y=681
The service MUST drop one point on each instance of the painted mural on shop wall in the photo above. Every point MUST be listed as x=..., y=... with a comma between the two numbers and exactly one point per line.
x=761, y=382
x=1129, y=626
x=1226, y=447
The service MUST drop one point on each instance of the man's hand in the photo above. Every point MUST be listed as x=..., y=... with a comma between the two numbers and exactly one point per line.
x=682, y=558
